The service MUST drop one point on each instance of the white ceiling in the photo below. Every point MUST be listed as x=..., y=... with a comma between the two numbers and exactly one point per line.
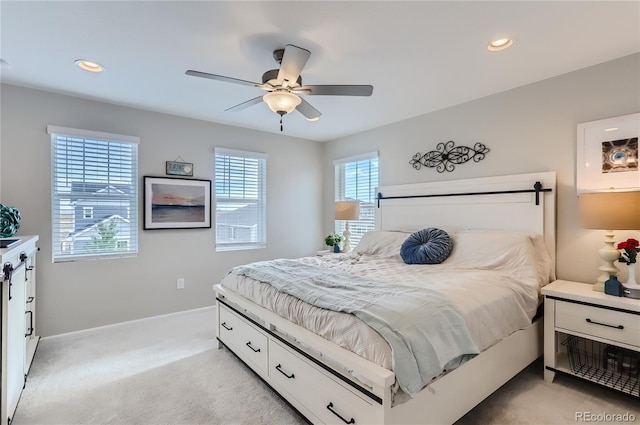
x=420, y=56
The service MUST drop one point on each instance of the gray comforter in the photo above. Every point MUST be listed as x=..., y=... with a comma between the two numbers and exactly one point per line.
x=426, y=333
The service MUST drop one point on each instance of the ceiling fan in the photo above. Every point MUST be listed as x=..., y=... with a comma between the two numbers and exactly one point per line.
x=284, y=85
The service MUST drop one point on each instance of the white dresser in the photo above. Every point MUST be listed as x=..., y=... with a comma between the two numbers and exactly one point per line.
x=19, y=338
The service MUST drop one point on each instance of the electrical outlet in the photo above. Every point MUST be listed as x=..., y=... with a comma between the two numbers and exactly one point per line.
x=180, y=283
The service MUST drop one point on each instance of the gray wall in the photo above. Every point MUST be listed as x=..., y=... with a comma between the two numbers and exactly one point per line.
x=528, y=129
x=79, y=295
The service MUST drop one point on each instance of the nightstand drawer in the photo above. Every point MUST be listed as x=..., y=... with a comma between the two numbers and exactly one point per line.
x=613, y=325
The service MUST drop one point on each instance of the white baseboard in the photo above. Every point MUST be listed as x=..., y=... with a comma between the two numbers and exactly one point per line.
x=213, y=307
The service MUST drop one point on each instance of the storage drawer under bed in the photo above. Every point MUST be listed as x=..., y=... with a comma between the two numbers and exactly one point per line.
x=325, y=397
x=246, y=341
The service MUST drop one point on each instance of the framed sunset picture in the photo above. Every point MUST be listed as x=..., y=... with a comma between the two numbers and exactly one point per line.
x=175, y=203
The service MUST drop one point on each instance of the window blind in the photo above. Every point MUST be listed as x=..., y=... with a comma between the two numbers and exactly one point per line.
x=356, y=178
x=94, y=194
x=240, y=199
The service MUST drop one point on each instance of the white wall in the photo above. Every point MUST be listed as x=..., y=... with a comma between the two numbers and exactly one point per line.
x=527, y=129
x=79, y=295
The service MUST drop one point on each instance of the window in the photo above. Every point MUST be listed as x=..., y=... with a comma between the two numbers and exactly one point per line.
x=240, y=199
x=94, y=194
x=87, y=212
x=356, y=178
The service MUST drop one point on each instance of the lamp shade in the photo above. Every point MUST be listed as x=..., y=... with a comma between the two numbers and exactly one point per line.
x=610, y=210
x=347, y=210
x=281, y=101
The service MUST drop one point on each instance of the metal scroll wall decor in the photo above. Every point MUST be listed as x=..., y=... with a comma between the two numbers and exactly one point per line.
x=447, y=156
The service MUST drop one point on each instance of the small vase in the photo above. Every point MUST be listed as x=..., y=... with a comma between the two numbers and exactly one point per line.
x=336, y=249
x=631, y=280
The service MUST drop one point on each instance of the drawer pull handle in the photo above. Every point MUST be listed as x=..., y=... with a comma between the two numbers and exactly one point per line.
x=30, y=328
x=350, y=421
x=279, y=368
x=224, y=325
x=254, y=350
x=604, y=324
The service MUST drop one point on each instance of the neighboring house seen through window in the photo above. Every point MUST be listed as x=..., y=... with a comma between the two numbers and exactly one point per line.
x=356, y=178
x=240, y=199
x=94, y=194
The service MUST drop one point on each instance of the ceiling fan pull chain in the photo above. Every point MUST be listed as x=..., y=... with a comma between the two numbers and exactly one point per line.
x=280, y=122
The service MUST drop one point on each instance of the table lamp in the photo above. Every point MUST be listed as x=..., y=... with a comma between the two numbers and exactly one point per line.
x=347, y=210
x=609, y=211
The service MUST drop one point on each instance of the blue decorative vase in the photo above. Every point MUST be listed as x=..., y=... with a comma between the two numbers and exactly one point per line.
x=336, y=248
x=613, y=287
x=9, y=221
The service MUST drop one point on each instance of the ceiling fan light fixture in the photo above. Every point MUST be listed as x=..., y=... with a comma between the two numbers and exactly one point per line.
x=500, y=44
x=281, y=101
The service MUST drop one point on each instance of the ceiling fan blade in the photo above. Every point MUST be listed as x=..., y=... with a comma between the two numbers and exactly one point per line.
x=221, y=78
x=307, y=110
x=336, y=90
x=293, y=60
x=244, y=105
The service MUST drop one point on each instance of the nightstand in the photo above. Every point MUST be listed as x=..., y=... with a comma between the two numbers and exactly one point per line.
x=591, y=335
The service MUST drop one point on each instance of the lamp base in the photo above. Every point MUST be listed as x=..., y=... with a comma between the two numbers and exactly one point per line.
x=609, y=254
x=347, y=234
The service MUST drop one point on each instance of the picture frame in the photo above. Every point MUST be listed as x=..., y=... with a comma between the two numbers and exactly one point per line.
x=178, y=168
x=607, y=155
x=176, y=203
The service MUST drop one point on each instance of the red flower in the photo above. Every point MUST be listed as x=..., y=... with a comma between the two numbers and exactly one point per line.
x=630, y=248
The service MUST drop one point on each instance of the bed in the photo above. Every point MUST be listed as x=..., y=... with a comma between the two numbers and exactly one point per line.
x=334, y=367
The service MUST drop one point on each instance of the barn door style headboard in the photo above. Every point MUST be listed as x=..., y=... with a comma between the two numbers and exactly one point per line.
x=520, y=202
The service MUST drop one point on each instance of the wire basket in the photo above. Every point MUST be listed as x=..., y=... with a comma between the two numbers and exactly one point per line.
x=606, y=364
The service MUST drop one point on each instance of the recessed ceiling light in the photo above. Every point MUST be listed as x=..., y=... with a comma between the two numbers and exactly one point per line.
x=500, y=44
x=313, y=119
x=89, y=65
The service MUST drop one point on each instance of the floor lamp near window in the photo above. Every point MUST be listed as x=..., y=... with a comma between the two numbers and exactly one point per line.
x=347, y=210
x=609, y=211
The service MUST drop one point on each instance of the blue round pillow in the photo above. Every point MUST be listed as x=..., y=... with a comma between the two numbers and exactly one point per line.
x=426, y=246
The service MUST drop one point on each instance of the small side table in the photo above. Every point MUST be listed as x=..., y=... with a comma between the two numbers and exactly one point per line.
x=591, y=335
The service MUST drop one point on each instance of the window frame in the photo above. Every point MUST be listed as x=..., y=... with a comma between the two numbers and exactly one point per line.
x=261, y=201
x=340, y=194
x=58, y=137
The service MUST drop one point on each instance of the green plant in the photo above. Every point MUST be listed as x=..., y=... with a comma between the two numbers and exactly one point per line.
x=333, y=239
x=105, y=240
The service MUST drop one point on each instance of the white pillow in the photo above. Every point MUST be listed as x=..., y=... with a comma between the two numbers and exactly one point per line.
x=502, y=250
x=381, y=242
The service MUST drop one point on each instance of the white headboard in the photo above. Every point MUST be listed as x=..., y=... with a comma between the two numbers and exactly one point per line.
x=502, y=202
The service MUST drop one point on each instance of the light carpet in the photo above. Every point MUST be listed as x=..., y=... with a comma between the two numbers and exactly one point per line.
x=168, y=370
